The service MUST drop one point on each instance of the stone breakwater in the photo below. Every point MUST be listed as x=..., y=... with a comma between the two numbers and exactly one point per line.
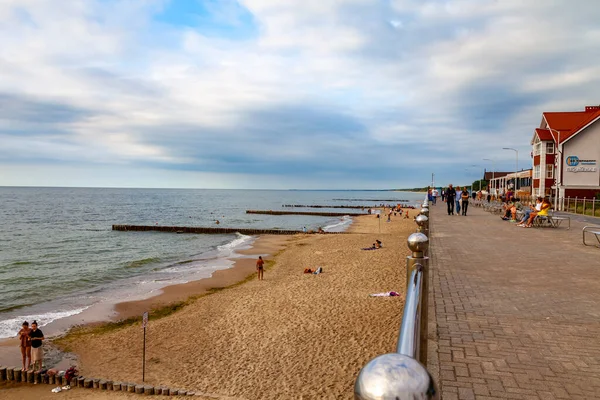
x=214, y=231
x=320, y=214
x=14, y=374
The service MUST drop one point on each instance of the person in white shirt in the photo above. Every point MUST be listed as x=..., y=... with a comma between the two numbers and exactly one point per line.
x=458, y=200
x=434, y=194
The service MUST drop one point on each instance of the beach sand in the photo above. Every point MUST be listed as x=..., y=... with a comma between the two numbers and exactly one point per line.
x=292, y=335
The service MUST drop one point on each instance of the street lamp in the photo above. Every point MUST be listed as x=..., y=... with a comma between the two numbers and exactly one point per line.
x=516, y=170
x=479, y=179
x=493, y=173
x=558, y=173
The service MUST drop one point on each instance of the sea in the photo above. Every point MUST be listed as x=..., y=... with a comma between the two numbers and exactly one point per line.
x=59, y=256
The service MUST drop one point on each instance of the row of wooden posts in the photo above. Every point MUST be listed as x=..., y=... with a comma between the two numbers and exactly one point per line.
x=326, y=206
x=12, y=374
x=320, y=214
x=214, y=231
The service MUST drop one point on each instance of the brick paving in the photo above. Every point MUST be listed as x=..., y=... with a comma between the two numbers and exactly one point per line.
x=517, y=311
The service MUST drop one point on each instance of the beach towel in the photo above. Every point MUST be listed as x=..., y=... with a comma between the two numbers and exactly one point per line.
x=385, y=294
x=370, y=248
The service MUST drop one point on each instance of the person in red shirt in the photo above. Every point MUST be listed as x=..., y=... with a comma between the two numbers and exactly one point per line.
x=260, y=264
x=25, y=345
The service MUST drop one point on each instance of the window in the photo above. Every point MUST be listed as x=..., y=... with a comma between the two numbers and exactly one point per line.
x=536, y=172
x=550, y=148
x=537, y=148
x=549, y=171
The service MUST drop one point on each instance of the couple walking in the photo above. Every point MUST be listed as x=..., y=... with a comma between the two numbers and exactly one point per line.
x=31, y=346
x=457, y=197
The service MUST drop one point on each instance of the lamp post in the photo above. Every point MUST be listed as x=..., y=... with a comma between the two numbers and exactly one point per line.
x=516, y=170
x=558, y=173
x=479, y=179
x=493, y=172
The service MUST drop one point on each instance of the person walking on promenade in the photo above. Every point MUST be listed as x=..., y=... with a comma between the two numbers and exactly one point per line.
x=465, y=201
x=37, y=353
x=443, y=194
x=458, y=200
x=25, y=345
x=260, y=267
x=435, y=195
x=450, y=196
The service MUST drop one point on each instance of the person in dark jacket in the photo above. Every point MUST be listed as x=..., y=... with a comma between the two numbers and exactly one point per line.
x=450, y=198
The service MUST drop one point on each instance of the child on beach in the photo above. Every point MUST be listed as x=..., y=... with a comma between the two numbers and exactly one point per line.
x=37, y=354
x=25, y=345
x=260, y=268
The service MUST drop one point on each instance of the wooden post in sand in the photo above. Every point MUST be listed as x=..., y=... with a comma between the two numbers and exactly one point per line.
x=10, y=374
x=16, y=374
x=2, y=374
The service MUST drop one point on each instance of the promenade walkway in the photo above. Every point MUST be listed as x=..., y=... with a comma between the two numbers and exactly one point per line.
x=517, y=310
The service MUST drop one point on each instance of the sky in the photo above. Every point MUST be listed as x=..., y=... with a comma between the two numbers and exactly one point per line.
x=279, y=94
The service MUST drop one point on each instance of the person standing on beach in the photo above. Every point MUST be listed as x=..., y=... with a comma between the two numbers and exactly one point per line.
x=450, y=196
x=260, y=267
x=37, y=353
x=25, y=345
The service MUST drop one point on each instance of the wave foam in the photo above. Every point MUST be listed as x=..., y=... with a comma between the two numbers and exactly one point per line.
x=339, y=226
x=228, y=249
x=10, y=327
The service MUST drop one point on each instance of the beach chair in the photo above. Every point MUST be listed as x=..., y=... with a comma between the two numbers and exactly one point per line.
x=593, y=230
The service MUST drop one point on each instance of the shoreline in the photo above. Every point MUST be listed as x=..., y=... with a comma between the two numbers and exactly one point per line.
x=243, y=268
x=175, y=295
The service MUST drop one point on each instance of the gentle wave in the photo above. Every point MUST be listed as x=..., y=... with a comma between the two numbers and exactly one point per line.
x=21, y=263
x=229, y=248
x=10, y=327
x=142, y=262
x=339, y=226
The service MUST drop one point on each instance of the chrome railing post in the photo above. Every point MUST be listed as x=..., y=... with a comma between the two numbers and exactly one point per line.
x=422, y=224
x=399, y=375
x=418, y=244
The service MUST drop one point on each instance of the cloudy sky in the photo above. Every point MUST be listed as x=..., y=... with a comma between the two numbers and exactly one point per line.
x=284, y=93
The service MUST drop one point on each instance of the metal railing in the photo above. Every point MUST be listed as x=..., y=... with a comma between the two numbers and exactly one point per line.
x=403, y=375
x=575, y=205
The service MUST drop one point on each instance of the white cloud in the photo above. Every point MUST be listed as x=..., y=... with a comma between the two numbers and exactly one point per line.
x=436, y=75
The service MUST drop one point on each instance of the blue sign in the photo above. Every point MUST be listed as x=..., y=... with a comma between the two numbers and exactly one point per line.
x=573, y=161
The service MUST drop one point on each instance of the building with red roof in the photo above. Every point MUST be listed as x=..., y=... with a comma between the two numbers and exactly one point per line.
x=566, y=152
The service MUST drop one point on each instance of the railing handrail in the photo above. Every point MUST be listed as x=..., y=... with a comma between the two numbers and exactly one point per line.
x=403, y=375
x=409, y=338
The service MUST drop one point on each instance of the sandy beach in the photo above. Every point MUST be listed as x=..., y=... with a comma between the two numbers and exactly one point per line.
x=292, y=335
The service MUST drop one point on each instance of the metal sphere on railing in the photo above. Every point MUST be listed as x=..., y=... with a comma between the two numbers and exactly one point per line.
x=394, y=376
x=418, y=242
x=424, y=211
x=421, y=220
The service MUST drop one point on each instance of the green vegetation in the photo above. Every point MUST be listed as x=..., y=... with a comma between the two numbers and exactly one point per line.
x=475, y=185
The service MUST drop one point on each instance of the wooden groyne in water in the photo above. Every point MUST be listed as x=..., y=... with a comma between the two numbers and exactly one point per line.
x=394, y=200
x=325, y=206
x=207, y=230
x=319, y=214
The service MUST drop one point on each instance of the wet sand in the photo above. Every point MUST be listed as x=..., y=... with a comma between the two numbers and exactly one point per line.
x=291, y=335
x=243, y=267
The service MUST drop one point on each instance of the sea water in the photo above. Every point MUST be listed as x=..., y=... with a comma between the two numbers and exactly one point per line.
x=59, y=256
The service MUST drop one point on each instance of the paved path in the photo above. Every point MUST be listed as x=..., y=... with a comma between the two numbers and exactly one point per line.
x=517, y=310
